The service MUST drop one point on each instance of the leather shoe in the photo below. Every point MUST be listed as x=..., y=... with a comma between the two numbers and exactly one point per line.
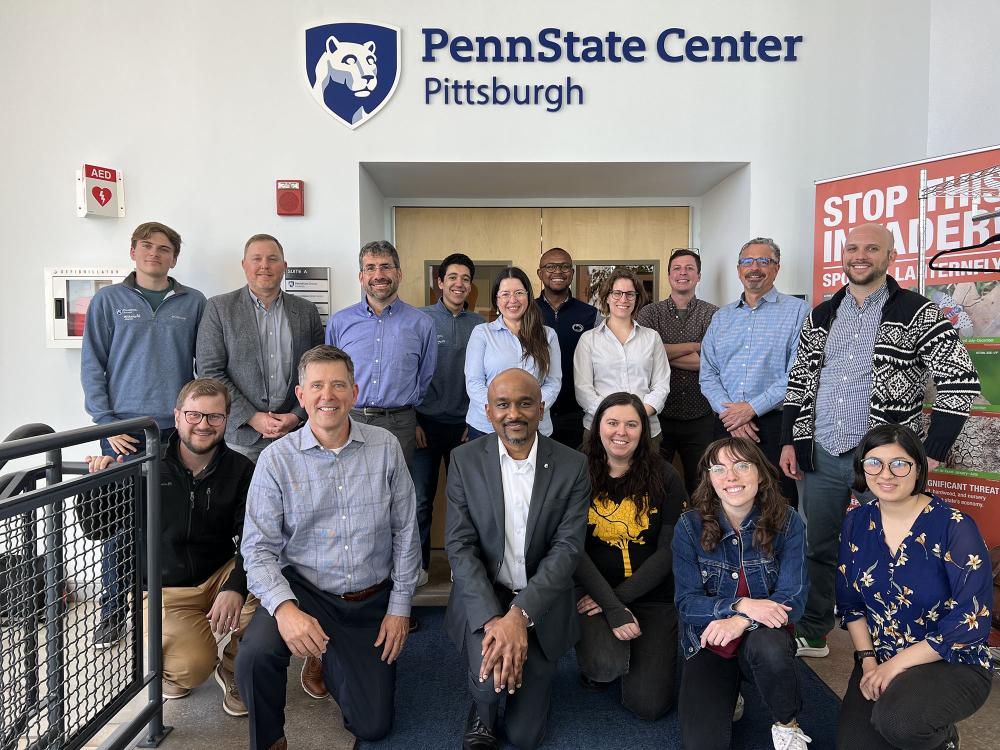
x=477, y=735
x=312, y=678
x=414, y=624
x=592, y=686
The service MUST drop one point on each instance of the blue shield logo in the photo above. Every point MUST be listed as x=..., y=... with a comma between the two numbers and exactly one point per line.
x=352, y=68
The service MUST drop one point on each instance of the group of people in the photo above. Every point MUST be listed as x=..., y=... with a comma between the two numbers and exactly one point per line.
x=567, y=523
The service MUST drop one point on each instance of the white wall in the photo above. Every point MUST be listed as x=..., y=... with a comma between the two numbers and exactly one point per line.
x=204, y=105
x=725, y=226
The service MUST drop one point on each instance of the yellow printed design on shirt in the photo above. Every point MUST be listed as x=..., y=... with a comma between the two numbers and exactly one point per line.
x=616, y=525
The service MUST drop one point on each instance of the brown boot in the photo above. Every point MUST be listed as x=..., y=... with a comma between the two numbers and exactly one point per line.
x=312, y=678
x=281, y=744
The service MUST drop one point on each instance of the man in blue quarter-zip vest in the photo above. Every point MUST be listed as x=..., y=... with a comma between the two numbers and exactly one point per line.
x=203, y=492
x=441, y=415
x=569, y=318
x=138, y=352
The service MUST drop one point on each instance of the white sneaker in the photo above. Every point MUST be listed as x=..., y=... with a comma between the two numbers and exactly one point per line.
x=789, y=738
x=422, y=578
x=738, y=712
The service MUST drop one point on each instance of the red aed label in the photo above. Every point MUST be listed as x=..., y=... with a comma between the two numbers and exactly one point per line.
x=99, y=173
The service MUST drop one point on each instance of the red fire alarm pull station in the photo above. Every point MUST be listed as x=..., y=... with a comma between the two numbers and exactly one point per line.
x=290, y=201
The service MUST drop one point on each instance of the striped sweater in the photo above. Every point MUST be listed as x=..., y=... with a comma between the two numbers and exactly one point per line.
x=913, y=339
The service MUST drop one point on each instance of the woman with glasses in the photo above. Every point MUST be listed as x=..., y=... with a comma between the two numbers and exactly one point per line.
x=621, y=355
x=628, y=623
x=740, y=583
x=516, y=338
x=914, y=590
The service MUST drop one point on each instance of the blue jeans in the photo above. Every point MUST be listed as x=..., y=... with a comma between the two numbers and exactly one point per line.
x=826, y=493
x=442, y=437
x=115, y=556
x=474, y=433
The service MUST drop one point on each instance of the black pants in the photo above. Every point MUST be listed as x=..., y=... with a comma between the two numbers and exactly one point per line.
x=359, y=681
x=442, y=437
x=769, y=433
x=710, y=685
x=690, y=438
x=917, y=710
x=567, y=428
x=527, y=710
x=647, y=664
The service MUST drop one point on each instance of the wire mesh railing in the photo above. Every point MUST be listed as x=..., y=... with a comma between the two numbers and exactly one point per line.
x=73, y=547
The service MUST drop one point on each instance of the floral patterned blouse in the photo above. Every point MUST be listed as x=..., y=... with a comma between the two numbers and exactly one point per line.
x=938, y=586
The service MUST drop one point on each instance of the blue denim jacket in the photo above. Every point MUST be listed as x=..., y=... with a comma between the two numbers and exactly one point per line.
x=705, y=582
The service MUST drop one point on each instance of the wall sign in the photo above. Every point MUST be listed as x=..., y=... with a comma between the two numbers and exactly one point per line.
x=311, y=283
x=100, y=191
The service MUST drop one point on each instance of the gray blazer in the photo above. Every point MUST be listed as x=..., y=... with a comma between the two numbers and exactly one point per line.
x=229, y=350
x=474, y=538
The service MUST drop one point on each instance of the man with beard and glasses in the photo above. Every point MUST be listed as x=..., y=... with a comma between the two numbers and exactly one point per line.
x=570, y=318
x=517, y=515
x=203, y=490
x=863, y=359
x=747, y=352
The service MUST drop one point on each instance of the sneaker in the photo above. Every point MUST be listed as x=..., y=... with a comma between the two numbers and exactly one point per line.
x=423, y=578
x=232, y=703
x=812, y=647
x=738, y=711
x=108, y=633
x=172, y=691
x=311, y=678
x=789, y=738
x=953, y=741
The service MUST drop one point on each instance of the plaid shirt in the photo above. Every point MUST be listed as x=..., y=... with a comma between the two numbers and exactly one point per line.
x=845, y=382
x=345, y=519
x=685, y=400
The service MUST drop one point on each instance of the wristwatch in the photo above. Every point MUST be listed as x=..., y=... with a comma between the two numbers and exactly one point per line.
x=860, y=656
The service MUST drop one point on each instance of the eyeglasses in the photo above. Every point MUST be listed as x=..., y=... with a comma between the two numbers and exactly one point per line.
x=899, y=467
x=747, y=262
x=550, y=267
x=618, y=294
x=383, y=267
x=195, y=417
x=519, y=294
x=740, y=467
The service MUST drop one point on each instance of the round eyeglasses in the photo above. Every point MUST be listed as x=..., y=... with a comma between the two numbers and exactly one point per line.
x=195, y=417
x=898, y=467
x=740, y=467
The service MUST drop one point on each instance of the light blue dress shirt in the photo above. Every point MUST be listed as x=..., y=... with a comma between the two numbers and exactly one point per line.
x=747, y=352
x=492, y=349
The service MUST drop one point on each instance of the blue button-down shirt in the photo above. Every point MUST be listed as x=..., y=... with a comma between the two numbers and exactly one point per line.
x=345, y=519
x=394, y=353
x=747, y=351
x=275, y=347
x=843, y=401
x=492, y=349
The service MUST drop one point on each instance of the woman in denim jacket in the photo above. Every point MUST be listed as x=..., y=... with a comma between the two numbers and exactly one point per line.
x=740, y=586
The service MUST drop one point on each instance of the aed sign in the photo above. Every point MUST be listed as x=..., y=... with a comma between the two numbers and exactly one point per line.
x=99, y=192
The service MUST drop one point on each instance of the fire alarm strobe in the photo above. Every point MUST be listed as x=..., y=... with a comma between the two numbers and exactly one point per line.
x=289, y=198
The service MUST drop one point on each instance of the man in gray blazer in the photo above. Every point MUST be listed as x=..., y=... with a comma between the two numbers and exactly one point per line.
x=251, y=340
x=517, y=515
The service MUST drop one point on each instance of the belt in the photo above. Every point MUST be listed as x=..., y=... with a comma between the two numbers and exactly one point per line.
x=379, y=411
x=368, y=593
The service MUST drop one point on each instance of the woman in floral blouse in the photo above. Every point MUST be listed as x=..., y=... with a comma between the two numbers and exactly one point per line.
x=914, y=591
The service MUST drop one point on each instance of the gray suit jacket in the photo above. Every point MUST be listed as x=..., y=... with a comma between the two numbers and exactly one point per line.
x=229, y=350
x=474, y=538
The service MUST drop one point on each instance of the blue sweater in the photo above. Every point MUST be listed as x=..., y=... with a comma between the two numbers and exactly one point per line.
x=135, y=361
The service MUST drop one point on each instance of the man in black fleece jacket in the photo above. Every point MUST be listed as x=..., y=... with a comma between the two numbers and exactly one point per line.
x=203, y=489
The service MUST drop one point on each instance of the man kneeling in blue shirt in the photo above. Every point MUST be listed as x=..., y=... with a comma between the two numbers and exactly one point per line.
x=331, y=549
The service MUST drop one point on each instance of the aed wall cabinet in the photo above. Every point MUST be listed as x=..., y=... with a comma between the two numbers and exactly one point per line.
x=68, y=292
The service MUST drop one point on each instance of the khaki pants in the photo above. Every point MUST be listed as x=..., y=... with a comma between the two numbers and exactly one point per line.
x=190, y=648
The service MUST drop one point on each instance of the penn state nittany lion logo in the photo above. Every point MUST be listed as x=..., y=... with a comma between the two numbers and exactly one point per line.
x=352, y=68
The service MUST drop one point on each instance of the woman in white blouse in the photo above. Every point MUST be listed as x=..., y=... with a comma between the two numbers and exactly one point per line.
x=621, y=355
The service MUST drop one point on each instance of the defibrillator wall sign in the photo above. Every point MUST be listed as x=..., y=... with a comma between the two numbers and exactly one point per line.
x=100, y=191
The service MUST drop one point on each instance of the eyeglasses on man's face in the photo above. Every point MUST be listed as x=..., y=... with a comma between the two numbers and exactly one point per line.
x=619, y=293
x=898, y=467
x=551, y=267
x=195, y=417
x=519, y=294
x=762, y=261
x=382, y=267
x=740, y=467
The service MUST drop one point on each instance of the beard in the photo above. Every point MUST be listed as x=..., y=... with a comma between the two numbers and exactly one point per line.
x=514, y=440
x=201, y=450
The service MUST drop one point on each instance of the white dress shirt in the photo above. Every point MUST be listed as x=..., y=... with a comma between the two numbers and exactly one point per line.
x=518, y=481
x=602, y=365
